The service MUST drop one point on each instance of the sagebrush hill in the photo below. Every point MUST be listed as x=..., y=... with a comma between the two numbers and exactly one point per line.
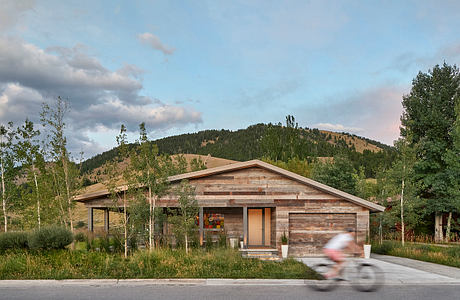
x=245, y=144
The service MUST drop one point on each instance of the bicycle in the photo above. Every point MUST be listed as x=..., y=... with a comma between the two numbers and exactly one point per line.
x=362, y=275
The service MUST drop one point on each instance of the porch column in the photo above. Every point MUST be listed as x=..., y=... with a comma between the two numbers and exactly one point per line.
x=201, y=223
x=90, y=219
x=106, y=220
x=245, y=227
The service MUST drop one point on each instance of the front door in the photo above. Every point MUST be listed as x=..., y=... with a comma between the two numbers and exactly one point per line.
x=259, y=226
x=255, y=227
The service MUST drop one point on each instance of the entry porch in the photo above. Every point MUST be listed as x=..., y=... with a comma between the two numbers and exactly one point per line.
x=254, y=227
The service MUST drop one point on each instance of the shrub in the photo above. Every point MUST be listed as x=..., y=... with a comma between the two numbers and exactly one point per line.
x=222, y=240
x=118, y=244
x=13, y=240
x=80, y=224
x=80, y=237
x=132, y=243
x=208, y=243
x=104, y=243
x=383, y=248
x=284, y=239
x=51, y=237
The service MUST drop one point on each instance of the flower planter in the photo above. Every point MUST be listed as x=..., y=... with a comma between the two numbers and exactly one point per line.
x=367, y=251
x=284, y=251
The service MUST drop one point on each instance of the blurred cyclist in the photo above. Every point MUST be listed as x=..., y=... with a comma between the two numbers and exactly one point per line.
x=334, y=249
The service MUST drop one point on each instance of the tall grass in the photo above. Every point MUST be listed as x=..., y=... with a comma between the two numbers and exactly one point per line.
x=449, y=256
x=161, y=263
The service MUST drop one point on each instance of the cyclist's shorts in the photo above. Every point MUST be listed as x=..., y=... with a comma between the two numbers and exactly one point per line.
x=334, y=255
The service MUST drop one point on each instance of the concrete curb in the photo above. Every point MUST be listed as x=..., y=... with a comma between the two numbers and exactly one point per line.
x=187, y=282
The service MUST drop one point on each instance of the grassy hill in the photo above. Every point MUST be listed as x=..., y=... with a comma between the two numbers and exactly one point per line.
x=245, y=144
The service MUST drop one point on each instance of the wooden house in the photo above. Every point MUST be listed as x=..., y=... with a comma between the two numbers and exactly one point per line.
x=257, y=202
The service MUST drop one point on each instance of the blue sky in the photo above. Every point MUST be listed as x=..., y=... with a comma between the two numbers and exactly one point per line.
x=184, y=66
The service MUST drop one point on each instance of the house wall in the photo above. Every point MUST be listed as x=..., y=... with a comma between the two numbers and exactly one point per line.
x=273, y=232
x=320, y=206
x=251, y=187
x=256, y=187
x=233, y=220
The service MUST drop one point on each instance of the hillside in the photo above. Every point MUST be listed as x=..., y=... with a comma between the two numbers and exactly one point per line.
x=99, y=175
x=245, y=144
x=81, y=212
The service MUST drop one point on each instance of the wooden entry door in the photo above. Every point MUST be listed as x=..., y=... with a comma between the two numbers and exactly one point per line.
x=255, y=226
x=259, y=226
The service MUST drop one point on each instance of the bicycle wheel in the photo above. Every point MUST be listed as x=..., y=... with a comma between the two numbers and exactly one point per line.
x=368, y=278
x=323, y=284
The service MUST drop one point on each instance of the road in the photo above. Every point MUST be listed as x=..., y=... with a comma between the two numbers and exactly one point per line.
x=163, y=292
x=404, y=279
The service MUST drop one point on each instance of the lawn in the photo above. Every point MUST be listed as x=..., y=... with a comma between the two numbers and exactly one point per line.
x=161, y=263
x=449, y=256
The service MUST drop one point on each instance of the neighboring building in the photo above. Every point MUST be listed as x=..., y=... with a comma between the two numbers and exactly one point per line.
x=257, y=202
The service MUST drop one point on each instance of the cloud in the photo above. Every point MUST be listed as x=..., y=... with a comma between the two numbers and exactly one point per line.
x=113, y=112
x=269, y=94
x=99, y=98
x=337, y=127
x=153, y=41
x=12, y=11
x=410, y=61
x=18, y=102
x=375, y=112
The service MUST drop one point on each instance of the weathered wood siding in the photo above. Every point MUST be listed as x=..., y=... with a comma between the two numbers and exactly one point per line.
x=309, y=232
x=256, y=187
x=233, y=220
x=273, y=229
x=283, y=212
x=251, y=187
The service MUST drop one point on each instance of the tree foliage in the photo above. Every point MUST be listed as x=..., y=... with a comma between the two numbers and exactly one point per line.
x=429, y=125
x=338, y=173
x=255, y=142
x=183, y=218
x=8, y=171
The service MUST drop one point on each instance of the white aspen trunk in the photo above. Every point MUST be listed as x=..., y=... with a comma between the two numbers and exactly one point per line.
x=151, y=224
x=380, y=221
x=449, y=220
x=125, y=224
x=59, y=197
x=38, y=196
x=67, y=186
x=5, y=218
x=402, y=213
x=186, y=242
x=150, y=220
x=438, y=236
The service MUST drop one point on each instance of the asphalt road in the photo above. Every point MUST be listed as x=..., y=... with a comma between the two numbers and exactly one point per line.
x=164, y=292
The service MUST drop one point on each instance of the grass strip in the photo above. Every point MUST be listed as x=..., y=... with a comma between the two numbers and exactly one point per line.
x=161, y=263
x=449, y=256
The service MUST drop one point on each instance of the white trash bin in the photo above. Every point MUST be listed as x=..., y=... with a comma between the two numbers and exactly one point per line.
x=233, y=243
x=367, y=251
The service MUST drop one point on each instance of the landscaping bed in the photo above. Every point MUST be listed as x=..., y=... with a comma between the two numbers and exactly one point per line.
x=161, y=263
x=439, y=254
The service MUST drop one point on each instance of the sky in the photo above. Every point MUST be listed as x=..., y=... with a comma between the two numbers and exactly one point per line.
x=185, y=66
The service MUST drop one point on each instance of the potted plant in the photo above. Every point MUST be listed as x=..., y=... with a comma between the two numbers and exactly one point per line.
x=284, y=245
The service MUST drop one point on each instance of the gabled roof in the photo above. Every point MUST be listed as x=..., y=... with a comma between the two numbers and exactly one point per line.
x=257, y=163
x=249, y=164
